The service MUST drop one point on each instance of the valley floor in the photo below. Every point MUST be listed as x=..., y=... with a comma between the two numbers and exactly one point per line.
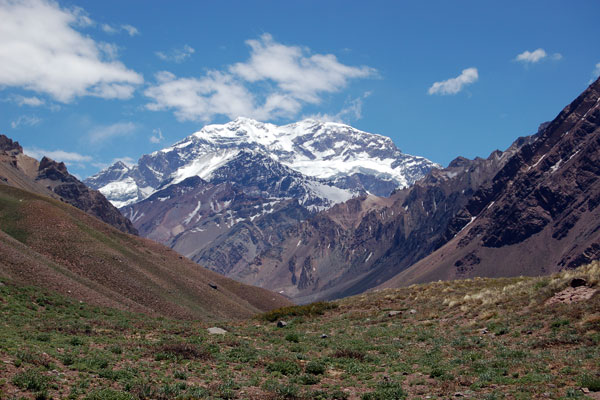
x=517, y=338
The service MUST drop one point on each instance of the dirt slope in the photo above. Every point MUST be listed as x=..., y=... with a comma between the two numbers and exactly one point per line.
x=48, y=243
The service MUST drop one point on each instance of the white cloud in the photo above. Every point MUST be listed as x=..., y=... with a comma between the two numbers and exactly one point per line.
x=129, y=29
x=41, y=51
x=57, y=155
x=352, y=111
x=26, y=101
x=596, y=72
x=25, y=120
x=176, y=55
x=157, y=136
x=532, y=57
x=455, y=85
x=277, y=81
x=294, y=71
x=104, y=133
x=108, y=29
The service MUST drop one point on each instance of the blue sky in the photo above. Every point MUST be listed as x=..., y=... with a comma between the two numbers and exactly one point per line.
x=89, y=82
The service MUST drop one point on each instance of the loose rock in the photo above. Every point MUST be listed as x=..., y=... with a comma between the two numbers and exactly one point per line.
x=216, y=331
x=394, y=313
x=281, y=324
x=413, y=311
x=324, y=336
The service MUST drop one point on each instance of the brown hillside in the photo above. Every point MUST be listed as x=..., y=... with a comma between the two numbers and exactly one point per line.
x=47, y=243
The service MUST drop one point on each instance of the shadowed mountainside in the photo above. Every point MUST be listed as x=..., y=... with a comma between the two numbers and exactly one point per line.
x=540, y=212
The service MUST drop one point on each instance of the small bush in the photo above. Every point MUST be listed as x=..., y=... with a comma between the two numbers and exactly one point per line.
x=284, y=367
x=76, y=341
x=312, y=309
x=308, y=379
x=184, y=351
x=347, y=353
x=591, y=382
x=180, y=375
x=315, y=368
x=386, y=391
x=108, y=394
x=292, y=337
x=31, y=379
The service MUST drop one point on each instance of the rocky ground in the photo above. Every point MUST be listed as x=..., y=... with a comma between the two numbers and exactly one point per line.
x=512, y=338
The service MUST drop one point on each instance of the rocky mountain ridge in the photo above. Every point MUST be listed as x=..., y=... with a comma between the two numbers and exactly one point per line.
x=51, y=178
x=539, y=213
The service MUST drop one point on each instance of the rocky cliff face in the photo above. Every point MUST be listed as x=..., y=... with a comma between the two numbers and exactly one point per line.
x=51, y=178
x=55, y=176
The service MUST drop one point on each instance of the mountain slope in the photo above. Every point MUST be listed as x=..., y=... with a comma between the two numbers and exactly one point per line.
x=538, y=215
x=44, y=241
x=50, y=178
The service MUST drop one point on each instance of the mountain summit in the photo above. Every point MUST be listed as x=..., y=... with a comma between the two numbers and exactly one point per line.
x=333, y=154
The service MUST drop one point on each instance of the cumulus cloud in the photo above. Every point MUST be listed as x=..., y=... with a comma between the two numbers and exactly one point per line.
x=294, y=71
x=57, y=155
x=176, y=55
x=25, y=120
x=101, y=134
x=277, y=81
x=41, y=51
x=157, y=136
x=455, y=85
x=532, y=57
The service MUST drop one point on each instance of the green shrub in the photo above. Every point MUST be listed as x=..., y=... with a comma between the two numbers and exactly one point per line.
x=591, y=382
x=108, y=394
x=292, y=337
x=315, y=368
x=31, y=379
x=284, y=367
x=184, y=351
x=308, y=379
x=386, y=391
x=318, y=308
x=180, y=375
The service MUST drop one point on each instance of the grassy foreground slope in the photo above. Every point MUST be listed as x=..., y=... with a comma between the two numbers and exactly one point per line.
x=513, y=338
x=45, y=242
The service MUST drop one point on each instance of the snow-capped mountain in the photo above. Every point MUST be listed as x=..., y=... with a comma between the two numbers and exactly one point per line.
x=337, y=155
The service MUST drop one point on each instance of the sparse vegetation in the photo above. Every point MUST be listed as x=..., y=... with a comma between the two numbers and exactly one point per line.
x=484, y=338
x=312, y=309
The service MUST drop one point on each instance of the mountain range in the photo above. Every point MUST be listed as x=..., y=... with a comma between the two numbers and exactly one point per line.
x=319, y=210
x=227, y=193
